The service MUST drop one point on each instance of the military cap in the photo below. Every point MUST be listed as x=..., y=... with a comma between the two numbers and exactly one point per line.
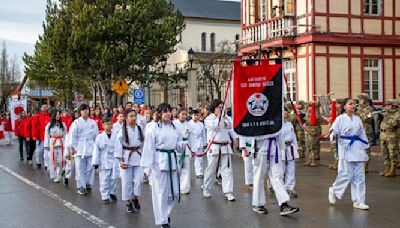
x=392, y=102
x=363, y=96
x=300, y=102
x=339, y=101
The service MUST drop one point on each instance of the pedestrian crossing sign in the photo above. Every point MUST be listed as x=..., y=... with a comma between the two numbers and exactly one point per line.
x=120, y=87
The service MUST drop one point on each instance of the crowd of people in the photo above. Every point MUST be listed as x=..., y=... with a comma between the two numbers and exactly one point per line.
x=138, y=144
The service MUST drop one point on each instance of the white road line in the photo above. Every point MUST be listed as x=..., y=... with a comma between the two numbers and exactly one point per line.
x=91, y=218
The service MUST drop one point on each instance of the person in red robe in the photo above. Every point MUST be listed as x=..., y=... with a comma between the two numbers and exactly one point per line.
x=67, y=119
x=8, y=131
x=2, y=122
x=38, y=127
x=97, y=117
x=19, y=130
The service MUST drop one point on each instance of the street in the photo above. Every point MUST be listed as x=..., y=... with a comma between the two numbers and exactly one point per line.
x=29, y=198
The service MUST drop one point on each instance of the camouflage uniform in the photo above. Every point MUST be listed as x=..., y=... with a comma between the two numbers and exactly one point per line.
x=389, y=138
x=363, y=112
x=333, y=148
x=298, y=128
x=312, y=134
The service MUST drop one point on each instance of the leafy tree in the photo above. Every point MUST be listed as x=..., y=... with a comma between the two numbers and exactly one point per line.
x=9, y=75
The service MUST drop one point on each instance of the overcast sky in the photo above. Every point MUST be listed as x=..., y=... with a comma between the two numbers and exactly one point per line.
x=20, y=24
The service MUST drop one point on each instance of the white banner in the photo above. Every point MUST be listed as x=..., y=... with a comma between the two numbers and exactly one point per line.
x=16, y=106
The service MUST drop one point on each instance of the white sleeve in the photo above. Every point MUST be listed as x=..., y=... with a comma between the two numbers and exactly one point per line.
x=96, y=151
x=118, y=146
x=73, y=135
x=46, y=136
x=149, y=148
x=211, y=123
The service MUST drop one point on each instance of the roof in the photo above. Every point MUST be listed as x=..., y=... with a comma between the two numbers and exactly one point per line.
x=209, y=9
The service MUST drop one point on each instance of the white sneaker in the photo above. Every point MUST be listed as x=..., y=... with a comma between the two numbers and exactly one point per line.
x=206, y=192
x=185, y=191
x=56, y=180
x=229, y=197
x=331, y=197
x=361, y=206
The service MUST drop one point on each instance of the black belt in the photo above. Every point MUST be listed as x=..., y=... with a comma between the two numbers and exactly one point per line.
x=132, y=150
x=169, y=152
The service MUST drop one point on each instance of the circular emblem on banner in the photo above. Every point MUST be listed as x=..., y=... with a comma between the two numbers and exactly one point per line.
x=257, y=104
x=138, y=93
x=18, y=109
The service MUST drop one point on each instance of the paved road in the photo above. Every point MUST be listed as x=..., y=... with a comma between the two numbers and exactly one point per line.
x=29, y=198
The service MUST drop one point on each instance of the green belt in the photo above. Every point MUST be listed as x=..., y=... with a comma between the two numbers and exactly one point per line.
x=169, y=152
x=185, y=139
x=248, y=145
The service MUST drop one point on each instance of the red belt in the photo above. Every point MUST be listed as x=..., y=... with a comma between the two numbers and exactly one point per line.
x=62, y=151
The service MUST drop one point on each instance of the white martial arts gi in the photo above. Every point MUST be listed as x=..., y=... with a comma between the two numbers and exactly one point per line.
x=69, y=158
x=184, y=154
x=54, y=139
x=116, y=127
x=289, y=154
x=197, y=141
x=352, y=143
x=103, y=156
x=83, y=136
x=267, y=160
x=159, y=158
x=220, y=152
x=131, y=177
x=245, y=142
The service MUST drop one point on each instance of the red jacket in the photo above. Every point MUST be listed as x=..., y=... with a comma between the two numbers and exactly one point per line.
x=19, y=127
x=98, y=121
x=114, y=119
x=28, y=128
x=8, y=125
x=38, y=126
x=67, y=121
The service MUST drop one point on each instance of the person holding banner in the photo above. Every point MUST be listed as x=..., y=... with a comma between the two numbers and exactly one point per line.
x=352, y=143
x=219, y=151
x=54, y=138
x=197, y=141
x=8, y=131
x=38, y=128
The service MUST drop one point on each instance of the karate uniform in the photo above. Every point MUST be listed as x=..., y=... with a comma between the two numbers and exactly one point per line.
x=54, y=139
x=103, y=156
x=83, y=135
x=141, y=121
x=289, y=154
x=184, y=154
x=267, y=160
x=219, y=151
x=116, y=127
x=131, y=177
x=197, y=141
x=351, y=155
x=69, y=158
x=245, y=142
x=159, y=157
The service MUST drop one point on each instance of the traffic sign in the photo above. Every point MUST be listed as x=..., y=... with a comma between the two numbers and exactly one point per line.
x=78, y=98
x=138, y=96
x=120, y=87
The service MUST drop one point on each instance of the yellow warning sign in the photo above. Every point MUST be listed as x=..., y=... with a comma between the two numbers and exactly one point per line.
x=120, y=87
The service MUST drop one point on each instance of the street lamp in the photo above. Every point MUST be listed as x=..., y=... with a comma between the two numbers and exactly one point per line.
x=147, y=57
x=191, y=57
x=163, y=62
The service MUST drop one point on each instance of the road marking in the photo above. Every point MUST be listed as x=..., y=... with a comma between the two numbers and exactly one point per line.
x=85, y=214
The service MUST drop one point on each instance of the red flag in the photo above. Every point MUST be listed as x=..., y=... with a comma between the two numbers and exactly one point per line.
x=313, y=119
x=333, y=111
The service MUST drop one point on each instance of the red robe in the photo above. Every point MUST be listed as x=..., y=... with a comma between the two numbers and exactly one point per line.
x=8, y=125
x=39, y=125
x=2, y=122
x=19, y=127
x=114, y=119
x=98, y=121
x=28, y=128
x=67, y=121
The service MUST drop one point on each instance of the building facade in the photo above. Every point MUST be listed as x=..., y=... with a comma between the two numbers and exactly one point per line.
x=342, y=47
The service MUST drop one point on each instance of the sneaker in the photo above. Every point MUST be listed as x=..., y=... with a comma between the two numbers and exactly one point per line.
x=292, y=193
x=30, y=162
x=113, y=197
x=45, y=168
x=260, y=210
x=129, y=208
x=136, y=203
x=331, y=196
x=287, y=210
x=66, y=181
x=218, y=180
x=88, y=188
x=185, y=191
x=56, y=180
x=82, y=191
x=206, y=192
x=229, y=197
x=361, y=206
x=106, y=201
x=39, y=166
x=165, y=226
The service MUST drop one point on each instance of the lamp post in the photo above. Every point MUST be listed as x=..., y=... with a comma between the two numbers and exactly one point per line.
x=191, y=57
x=163, y=62
x=147, y=57
x=192, y=80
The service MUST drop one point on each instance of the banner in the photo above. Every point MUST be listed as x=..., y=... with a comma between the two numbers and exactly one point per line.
x=257, y=99
x=16, y=106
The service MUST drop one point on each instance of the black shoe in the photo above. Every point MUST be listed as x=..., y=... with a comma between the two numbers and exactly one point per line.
x=169, y=220
x=88, y=188
x=129, y=208
x=106, y=201
x=165, y=226
x=21, y=158
x=66, y=181
x=82, y=191
x=45, y=168
x=136, y=203
x=260, y=210
x=113, y=197
x=287, y=210
x=39, y=166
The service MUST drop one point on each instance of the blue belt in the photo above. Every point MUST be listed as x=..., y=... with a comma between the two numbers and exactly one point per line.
x=354, y=138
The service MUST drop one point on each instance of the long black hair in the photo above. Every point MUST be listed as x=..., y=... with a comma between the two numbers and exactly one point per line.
x=344, y=103
x=214, y=104
x=125, y=134
x=54, y=122
x=162, y=108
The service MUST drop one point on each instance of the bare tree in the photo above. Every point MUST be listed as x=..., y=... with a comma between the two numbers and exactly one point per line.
x=9, y=74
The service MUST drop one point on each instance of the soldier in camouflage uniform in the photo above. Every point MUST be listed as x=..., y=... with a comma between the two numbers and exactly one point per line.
x=363, y=111
x=297, y=126
x=312, y=135
x=389, y=137
x=333, y=148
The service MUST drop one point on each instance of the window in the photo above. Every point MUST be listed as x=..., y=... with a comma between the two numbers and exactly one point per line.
x=372, y=7
x=212, y=42
x=203, y=42
x=289, y=7
x=263, y=10
x=373, y=79
x=290, y=75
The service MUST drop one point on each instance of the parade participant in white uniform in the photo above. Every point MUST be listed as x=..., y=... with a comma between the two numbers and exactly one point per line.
x=245, y=146
x=197, y=141
x=160, y=159
x=104, y=160
x=83, y=135
x=116, y=127
x=128, y=151
x=140, y=119
x=267, y=160
x=183, y=127
x=289, y=154
x=54, y=138
x=69, y=158
x=219, y=153
x=352, y=143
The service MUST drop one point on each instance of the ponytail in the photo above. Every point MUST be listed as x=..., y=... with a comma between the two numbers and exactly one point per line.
x=125, y=132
